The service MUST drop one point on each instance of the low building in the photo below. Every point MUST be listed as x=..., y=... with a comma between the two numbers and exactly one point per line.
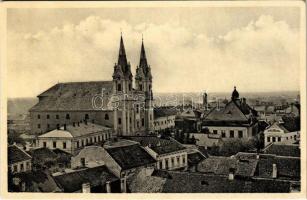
x=236, y=120
x=164, y=118
x=18, y=160
x=280, y=133
x=169, y=153
x=71, y=138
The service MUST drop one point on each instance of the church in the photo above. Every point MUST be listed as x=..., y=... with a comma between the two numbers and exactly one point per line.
x=115, y=103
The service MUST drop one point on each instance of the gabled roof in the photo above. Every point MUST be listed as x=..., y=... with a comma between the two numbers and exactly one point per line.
x=158, y=145
x=231, y=115
x=15, y=155
x=131, y=156
x=38, y=181
x=75, y=131
x=73, y=96
x=96, y=176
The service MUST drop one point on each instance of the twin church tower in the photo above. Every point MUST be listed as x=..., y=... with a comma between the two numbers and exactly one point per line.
x=134, y=114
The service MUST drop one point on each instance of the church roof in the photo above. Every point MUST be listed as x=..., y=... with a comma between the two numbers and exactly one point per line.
x=73, y=96
x=231, y=113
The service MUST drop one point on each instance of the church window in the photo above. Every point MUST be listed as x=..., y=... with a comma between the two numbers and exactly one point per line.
x=137, y=108
x=119, y=121
x=67, y=116
x=130, y=120
x=141, y=87
x=129, y=86
x=106, y=116
x=119, y=87
x=149, y=87
x=150, y=117
x=143, y=122
x=138, y=124
x=38, y=116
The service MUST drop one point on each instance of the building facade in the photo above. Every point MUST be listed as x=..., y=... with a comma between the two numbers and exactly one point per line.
x=18, y=160
x=115, y=103
x=71, y=138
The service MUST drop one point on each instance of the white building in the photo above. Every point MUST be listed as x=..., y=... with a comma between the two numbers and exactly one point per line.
x=279, y=134
x=70, y=138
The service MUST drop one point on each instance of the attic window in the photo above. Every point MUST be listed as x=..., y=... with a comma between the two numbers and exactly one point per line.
x=204, y=183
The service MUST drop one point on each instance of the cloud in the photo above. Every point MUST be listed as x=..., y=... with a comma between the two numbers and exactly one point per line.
x=261, y=56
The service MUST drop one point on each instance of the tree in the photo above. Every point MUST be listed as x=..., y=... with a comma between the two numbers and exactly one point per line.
x=14, y=137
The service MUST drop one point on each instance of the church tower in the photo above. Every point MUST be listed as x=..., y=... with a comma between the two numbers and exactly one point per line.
x=143, y=84
x=122, y=90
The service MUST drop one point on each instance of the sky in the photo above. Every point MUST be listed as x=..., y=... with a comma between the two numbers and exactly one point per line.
x=190, y=49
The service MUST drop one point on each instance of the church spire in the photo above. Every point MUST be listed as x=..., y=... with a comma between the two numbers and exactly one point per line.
x=143, y=60
x=122, y=59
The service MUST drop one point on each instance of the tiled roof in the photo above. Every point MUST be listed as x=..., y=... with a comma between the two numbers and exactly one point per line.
x=184, y=182
x=17, y=155
x=158, y=145
x=130, y=156
x=164, y=112
x=75, y=131
x=43, y=153
x=231, y=112
x=222, y=165
x=283, y=150
x=195, y=158
x=287, y=167
x=39, y=181
x=72, y=182
x=72, y=96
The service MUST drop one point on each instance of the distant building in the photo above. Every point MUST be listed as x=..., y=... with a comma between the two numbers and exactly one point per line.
x=236, y=120
x=164, y=118
x=169, y=153
x=18, y=160
x=188, y=121
x=279, y=133
x=70, y=138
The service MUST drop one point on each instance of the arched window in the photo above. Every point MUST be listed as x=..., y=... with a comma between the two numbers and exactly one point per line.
x=106, y=116
x=129, y=86
x=119, y=87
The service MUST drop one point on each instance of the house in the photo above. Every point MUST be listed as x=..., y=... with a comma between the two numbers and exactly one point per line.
x=281, y=133
x=236, y=120
x=18, y=160
x=169, y=153
x=72, y=137
x=164, y=118
x=188, y=121
x=88, y=180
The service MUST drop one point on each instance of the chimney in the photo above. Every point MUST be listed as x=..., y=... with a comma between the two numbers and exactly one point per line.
x=64, y=126
x=108, y=186
x=231, y=174
x=123, y=185
x=274, y=171
x=86, y=188
x=73, y=124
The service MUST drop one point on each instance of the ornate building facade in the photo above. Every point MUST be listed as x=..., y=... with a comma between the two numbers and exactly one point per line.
x=116, y=103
